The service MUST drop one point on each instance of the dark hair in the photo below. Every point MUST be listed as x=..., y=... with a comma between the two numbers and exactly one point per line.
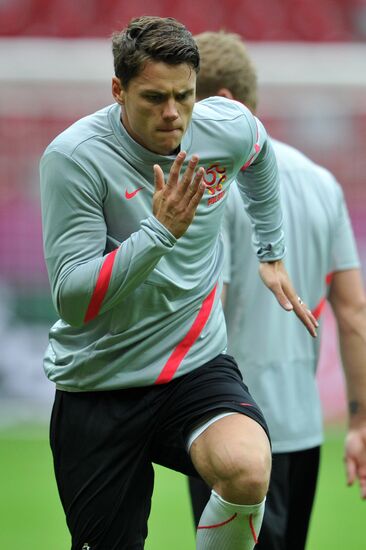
x=152, y=38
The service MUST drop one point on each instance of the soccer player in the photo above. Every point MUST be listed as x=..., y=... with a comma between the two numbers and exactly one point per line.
x=277, y=362
x=132, y=201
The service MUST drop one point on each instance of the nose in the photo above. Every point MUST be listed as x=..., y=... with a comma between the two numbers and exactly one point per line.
x=170, y=111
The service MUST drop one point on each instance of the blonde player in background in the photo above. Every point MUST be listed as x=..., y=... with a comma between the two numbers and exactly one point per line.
x=277, y=360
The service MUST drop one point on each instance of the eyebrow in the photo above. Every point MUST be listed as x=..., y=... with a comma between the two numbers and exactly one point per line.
x=152, y=91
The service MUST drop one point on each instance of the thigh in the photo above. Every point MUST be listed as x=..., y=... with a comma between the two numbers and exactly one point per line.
x=215, y=387
x=274, y=527
x=103, y=468
x=303, y=478
x=230, y=442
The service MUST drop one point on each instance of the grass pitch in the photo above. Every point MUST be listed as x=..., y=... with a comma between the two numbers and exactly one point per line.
x=31, y=516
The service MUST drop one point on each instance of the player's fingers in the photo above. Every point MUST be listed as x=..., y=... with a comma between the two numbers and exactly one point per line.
x=276, y=279
x=281, y=297
x=301, y=310
x=197, y=188
x=272, y=278
x=194, y=187
x=350, y=470
x=175, y=169
x=299, y=306
x=363, y=487
x=188, y=175
x=158, y=178
x=311, y=316
x=305, y=315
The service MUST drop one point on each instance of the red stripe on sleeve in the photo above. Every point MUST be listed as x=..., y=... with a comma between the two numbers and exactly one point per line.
x=185, y=345
x=256, y=149
x=101, y=287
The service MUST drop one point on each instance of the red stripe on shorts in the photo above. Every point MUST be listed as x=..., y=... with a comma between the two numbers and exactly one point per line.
x=101, y=287
x=185, y=345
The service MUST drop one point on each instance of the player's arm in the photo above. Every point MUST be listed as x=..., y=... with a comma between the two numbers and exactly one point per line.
x=347, y=298
x=85, y=281
x=225, y=289
x=227, y=239
x=258, y=183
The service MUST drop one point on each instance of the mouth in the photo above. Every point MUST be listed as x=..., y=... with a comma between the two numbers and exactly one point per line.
x=169, y=130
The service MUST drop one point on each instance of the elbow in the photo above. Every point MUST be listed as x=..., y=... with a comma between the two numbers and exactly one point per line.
x=70, y=310
x=71, y=316
x=351, y=318
x=71, y=301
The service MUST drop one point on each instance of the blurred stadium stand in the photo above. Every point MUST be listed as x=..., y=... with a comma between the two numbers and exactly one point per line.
x=56, y=67
x=290, y=20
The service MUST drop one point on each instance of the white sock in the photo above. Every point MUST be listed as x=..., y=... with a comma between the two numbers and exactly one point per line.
x=226, y=526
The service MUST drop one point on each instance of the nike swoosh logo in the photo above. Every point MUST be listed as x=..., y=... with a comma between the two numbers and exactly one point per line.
x=131, y=195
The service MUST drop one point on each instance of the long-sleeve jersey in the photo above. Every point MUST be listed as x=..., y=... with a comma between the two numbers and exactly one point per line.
x=137, y=306
x=278, y=359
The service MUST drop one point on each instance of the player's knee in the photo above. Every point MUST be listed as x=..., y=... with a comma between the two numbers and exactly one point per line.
x=244, y=479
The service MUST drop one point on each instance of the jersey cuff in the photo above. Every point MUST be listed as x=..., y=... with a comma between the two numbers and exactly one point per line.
x=271, y=252
x=165, y=236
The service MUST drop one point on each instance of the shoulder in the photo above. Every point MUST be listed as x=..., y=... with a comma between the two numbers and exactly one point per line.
x=220, y=109
x=224, y=127
x=291, y=160
x=87, y=130
x=289, y=157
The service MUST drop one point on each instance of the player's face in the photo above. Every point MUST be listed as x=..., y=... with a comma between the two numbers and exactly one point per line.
x=157, y=105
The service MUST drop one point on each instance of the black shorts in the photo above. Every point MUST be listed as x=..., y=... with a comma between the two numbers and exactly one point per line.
x=104, y=444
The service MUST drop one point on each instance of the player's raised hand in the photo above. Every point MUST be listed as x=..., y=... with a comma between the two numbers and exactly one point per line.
x=275, y=277
x=175, y=202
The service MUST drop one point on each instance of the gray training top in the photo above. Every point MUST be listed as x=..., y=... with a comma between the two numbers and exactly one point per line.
x=277, y=357
x=138, y=307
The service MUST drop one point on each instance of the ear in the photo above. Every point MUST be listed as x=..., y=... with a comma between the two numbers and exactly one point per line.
x=225, y=92
x=117, y=90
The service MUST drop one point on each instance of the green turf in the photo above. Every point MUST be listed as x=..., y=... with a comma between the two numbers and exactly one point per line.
x=31, y=517
x=339, y=512
x=30, y=513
